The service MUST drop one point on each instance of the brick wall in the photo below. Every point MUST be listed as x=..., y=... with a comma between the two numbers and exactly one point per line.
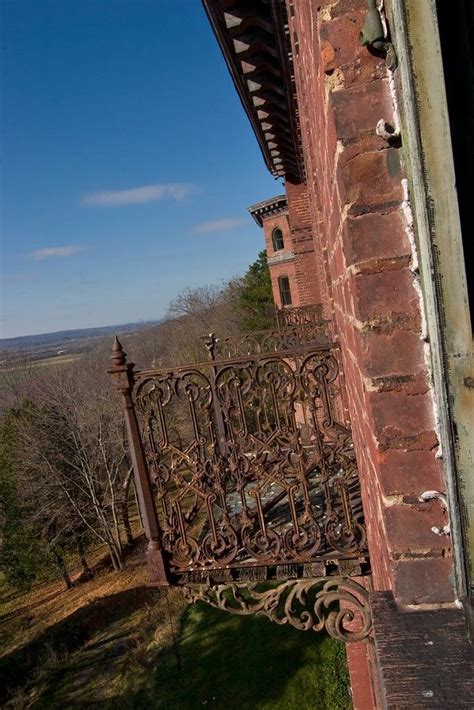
x=287, y=266
x=305, y=270
x=309, y=270
x=368, y=281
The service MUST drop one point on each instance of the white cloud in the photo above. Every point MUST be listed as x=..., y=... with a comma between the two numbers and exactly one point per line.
x=139, y=195
x=219, y=225
x=52, y=252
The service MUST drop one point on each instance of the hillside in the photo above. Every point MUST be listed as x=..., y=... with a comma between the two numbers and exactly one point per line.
x=62, y=342
x=112, y=642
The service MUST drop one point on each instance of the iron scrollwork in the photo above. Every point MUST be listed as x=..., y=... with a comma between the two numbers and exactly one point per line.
x=295, y=335
x=300, y=315
x=252, y=460
x=338, y=606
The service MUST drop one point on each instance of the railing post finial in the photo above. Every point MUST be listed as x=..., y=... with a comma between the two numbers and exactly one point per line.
x=119, y=356
x=124, y=376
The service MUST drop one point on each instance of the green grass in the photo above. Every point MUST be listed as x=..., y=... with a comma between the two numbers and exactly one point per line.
x=246, y=663
x=122, y=656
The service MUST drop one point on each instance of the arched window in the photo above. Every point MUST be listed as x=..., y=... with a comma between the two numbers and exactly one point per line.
x=277, y=239
x=285, y=291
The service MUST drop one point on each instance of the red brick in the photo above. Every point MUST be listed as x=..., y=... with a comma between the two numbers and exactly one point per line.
x=408, y=527
x=397, y=353
x=344, y=7
x=396, y=414
x=298, y=204
x=342, y=34
x=376, y=266
x=409, y=472
x=362, y=71
x=423, y=581
x=359, y=660
x=375, y=236
x=384, y=295
x=424, y=440
x=366, y=144
x=371, y=179
x=408, y=384
x=357, y=110
x=393, y=430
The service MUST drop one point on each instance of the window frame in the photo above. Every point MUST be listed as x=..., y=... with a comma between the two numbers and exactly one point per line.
x=278, y=240
x=285, y=293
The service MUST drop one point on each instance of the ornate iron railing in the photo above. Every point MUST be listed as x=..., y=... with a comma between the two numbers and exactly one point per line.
x=300, y=315
x=245, y=466
x=307, y=334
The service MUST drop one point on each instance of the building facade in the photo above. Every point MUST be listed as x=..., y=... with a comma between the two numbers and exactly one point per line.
x=348, y=103
x=290, y=247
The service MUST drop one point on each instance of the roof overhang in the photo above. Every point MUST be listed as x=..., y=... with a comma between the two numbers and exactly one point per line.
x=253, y=36
x=268, y=208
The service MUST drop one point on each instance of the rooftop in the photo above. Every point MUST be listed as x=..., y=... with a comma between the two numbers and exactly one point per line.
x=254, y=40
x=268, y=208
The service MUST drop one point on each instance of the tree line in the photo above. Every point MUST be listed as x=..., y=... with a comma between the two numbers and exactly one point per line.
x=66, y=483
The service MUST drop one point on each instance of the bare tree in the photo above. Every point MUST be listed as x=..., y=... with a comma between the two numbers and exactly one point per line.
x=74, y=440
x=71, y=460
x=193, y=314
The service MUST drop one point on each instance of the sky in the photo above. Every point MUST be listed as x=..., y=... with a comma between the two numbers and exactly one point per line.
x=128, y=162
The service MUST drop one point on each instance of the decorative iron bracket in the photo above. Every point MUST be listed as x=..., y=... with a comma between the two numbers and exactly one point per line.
x=340, y=606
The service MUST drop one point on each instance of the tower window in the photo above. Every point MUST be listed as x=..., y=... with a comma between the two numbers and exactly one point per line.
x=277, y=239
x=285, y=292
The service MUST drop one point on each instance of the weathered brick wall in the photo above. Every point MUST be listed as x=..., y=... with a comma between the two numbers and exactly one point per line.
x=286, y=267
x=308, y=263
x=368, y=279
x=304, y=268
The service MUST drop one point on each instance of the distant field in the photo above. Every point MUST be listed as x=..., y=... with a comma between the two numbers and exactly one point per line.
x=56, y=360
x=63, y=338
x=60, y=348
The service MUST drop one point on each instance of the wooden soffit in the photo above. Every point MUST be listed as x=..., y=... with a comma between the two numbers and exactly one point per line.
x=253, y=36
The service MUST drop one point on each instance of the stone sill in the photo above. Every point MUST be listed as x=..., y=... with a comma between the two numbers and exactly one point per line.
x=280, y=258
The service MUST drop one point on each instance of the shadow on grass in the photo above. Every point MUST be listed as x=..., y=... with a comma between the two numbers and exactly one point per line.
x=19, y=667
x=221, y=661
x=244, y=663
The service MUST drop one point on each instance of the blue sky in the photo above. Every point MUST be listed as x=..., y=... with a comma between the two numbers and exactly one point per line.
x=128, y=162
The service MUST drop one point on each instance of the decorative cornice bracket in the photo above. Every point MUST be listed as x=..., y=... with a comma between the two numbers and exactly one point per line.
x=339, y=606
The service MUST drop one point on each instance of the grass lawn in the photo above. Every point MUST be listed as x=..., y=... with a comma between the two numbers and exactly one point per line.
x=247, y=662
x=108, y=643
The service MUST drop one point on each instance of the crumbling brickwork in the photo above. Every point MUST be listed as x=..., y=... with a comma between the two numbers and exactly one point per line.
x=360, y=227
x=324, y=110
x=308, y=267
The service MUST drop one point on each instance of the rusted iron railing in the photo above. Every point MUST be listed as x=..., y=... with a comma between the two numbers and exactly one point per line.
x=245, y=467
x=300, y=315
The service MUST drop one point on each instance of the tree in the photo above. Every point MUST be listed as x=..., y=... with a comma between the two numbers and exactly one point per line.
x=253, y=293
x=39, y=465
x=21, y=557
x=71, y=459
x=87, y=454
x=193, y=314
x=198, y=303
